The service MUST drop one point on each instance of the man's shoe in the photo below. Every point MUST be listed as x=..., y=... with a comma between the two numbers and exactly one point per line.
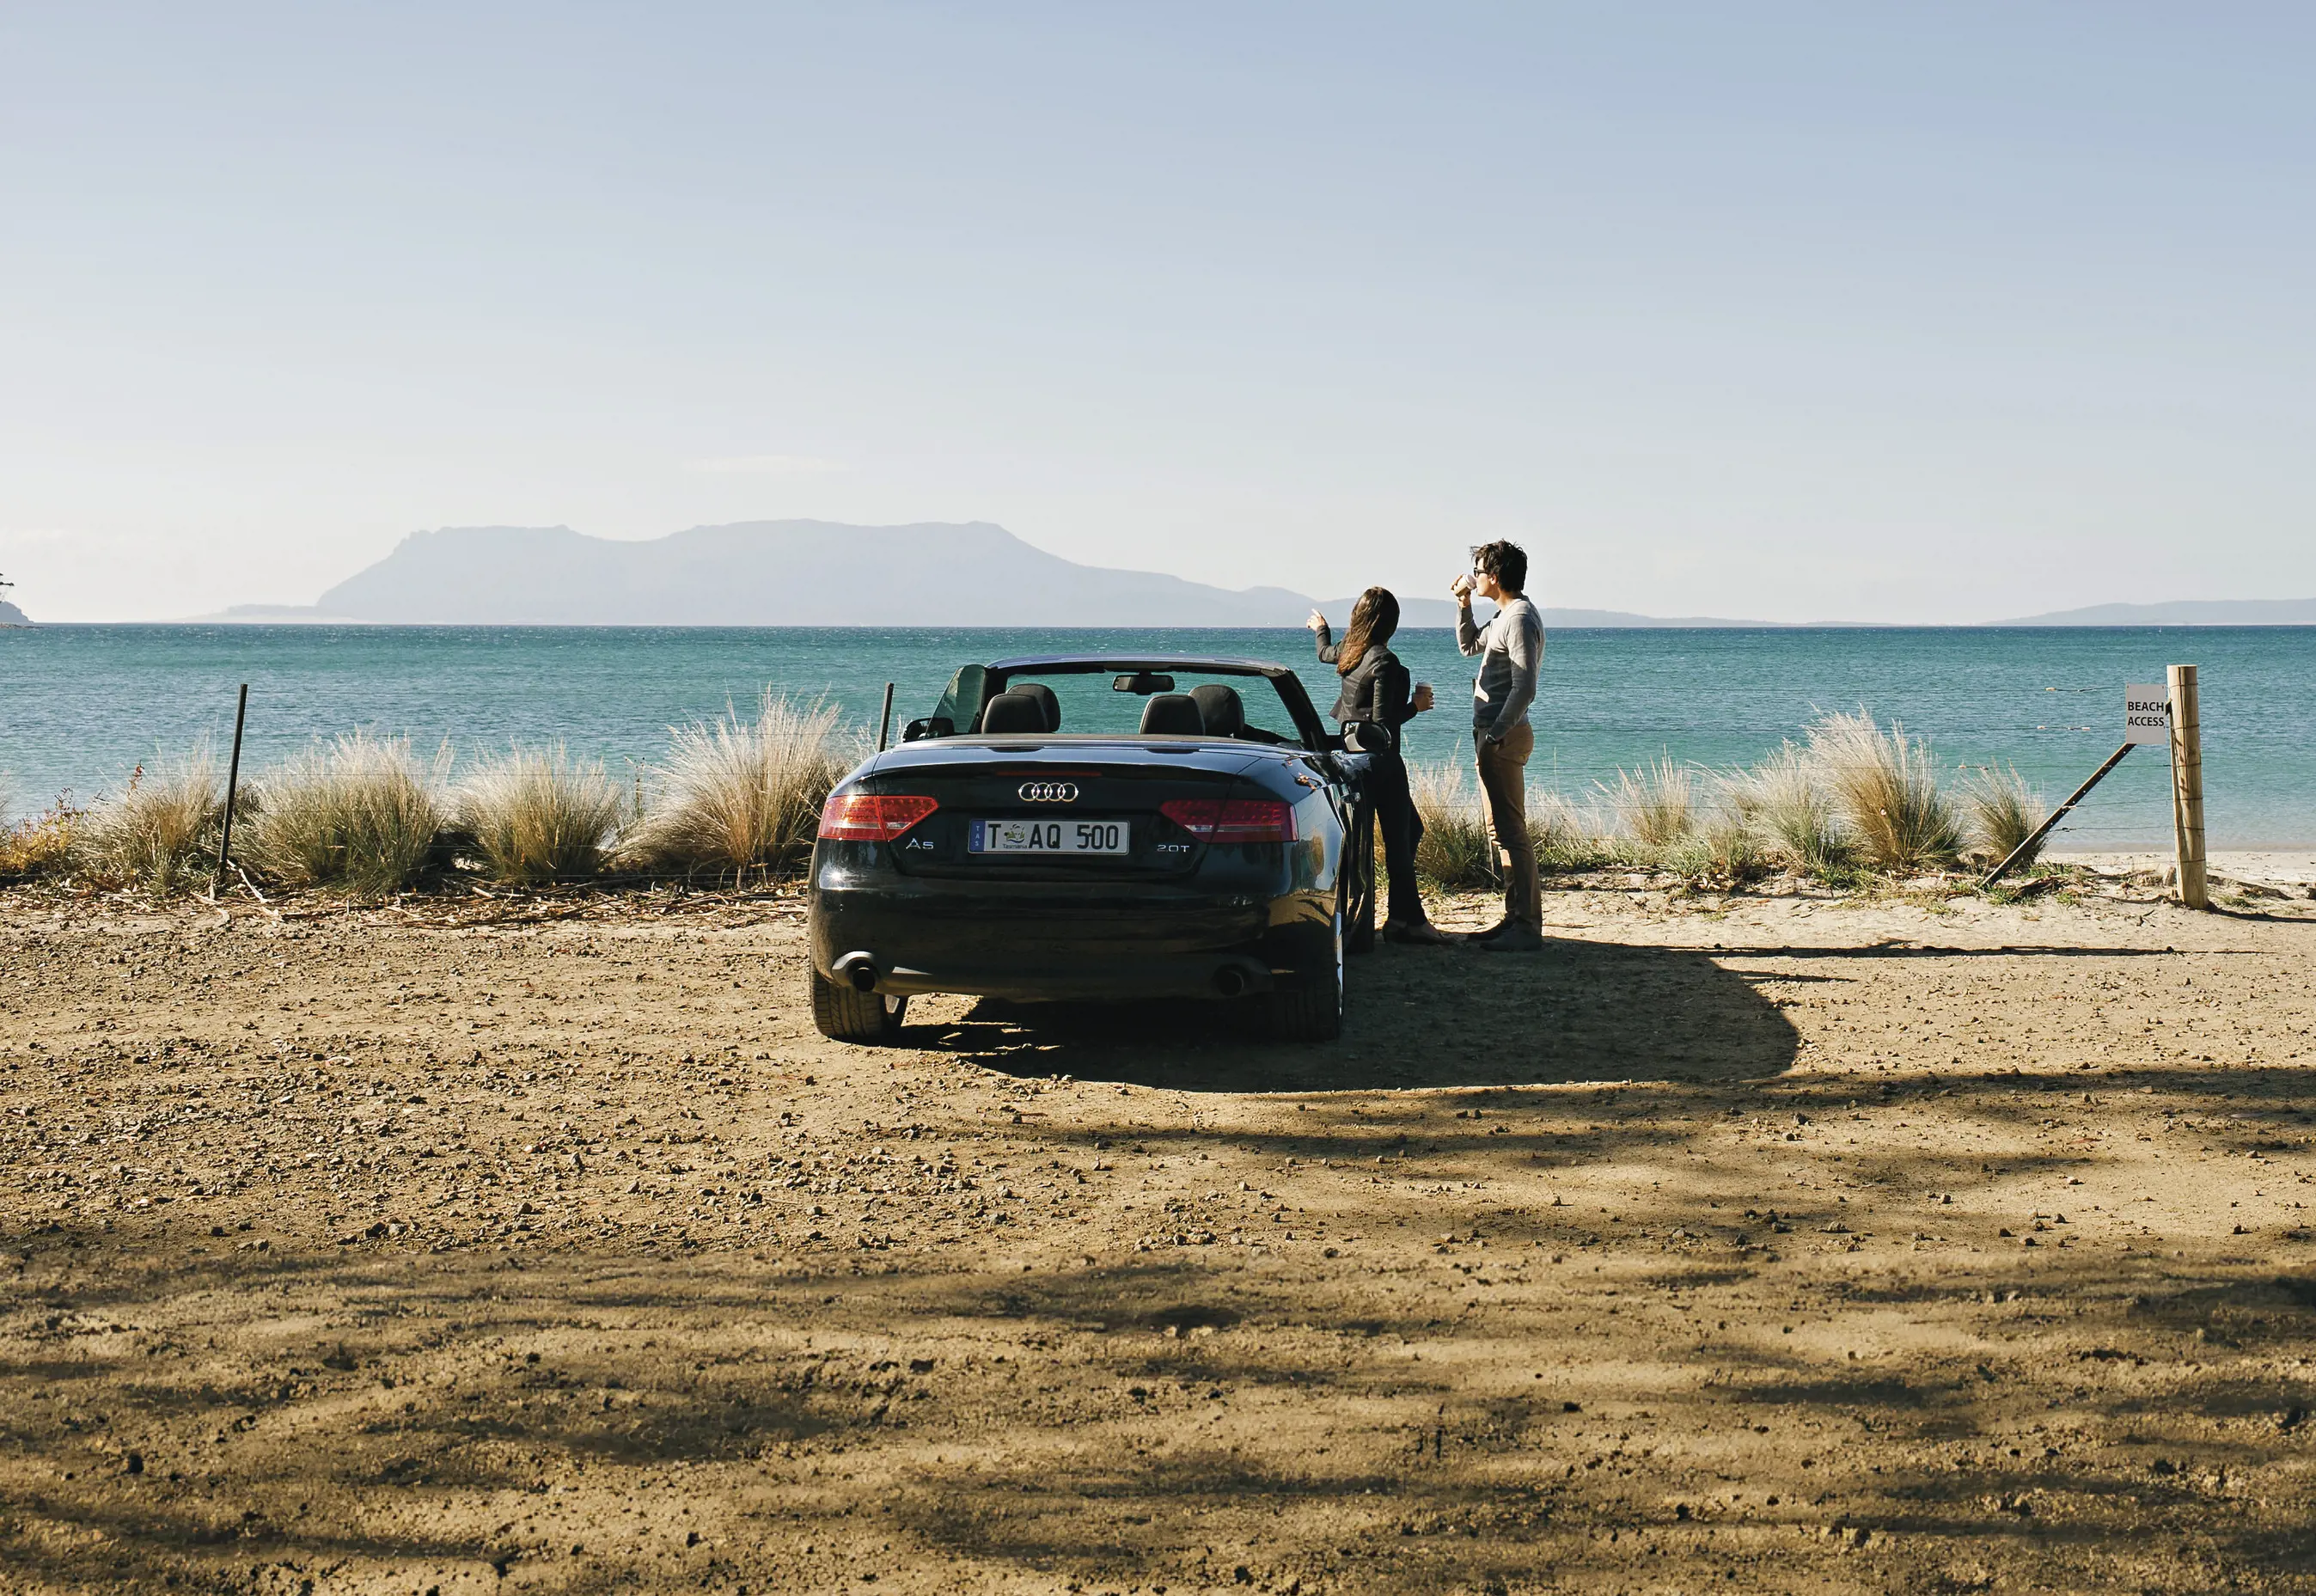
x=1419, y=930
x=1516, y=939
x=1491, y=934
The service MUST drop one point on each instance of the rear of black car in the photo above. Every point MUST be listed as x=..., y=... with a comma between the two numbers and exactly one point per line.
x=1074, y=868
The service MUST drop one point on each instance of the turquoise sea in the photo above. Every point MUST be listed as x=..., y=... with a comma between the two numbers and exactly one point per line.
x=80, y=705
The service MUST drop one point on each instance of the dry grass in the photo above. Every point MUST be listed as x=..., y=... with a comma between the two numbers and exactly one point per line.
x=1655, y=806
x=1784, y=800
x=742, y=795
x=1565, y=838
x=41, y=845
x=2003, y=812
x=161, y=833
x=357, y=812
x=1886, y=791
x=1455, y=850
x=1731, y=849
x=536, y=816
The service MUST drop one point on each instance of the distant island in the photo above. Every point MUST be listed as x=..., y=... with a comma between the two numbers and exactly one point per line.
x=2183, y=613
x=808, y=573
x=934, y=574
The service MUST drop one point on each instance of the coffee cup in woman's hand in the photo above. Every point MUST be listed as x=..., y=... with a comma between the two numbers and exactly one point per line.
x=1419, y=699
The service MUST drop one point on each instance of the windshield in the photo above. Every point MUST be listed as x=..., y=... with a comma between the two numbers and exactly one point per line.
x=1123, y=703
x=1160, y=699
x=1150, y=697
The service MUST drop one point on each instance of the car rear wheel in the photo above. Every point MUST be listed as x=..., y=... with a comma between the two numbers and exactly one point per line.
x=1313, y=1013
x=845, y=1014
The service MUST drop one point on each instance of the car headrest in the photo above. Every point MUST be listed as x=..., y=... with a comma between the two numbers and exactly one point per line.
x=1224, y=712
x=1172, y=715
x=1045, y=700
x=1010, y=714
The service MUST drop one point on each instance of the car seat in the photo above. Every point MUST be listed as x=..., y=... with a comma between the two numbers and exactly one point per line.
x=1045, y=700
x=1011, y=714
x=1224, y=712
x=1171, y=715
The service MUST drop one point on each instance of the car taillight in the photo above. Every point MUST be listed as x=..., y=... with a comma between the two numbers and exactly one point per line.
x=1232, y=820
x=872, y=816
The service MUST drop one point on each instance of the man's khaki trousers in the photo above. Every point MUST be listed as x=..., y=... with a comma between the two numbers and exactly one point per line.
x=1503, y=777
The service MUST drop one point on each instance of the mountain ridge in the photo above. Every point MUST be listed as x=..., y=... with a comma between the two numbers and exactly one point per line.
x=808, y=573
x=968, y=574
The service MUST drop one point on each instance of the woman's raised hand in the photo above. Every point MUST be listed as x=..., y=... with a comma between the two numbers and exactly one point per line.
x=1318, y=623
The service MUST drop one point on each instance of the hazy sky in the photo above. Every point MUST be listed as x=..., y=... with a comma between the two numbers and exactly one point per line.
x=1938, y=312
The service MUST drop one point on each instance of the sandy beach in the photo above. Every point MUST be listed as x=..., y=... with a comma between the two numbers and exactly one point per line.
x=1744, y=1244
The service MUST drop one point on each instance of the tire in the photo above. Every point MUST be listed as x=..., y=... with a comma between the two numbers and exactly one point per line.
x=843, y=1014
x=1313, y=1013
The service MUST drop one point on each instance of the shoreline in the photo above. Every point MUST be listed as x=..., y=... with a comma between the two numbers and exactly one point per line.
x=95, y=701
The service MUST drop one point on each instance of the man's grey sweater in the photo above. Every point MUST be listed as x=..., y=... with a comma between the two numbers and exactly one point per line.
x=1511, y=648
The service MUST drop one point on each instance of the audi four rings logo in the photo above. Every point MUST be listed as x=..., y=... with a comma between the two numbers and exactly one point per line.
x=1049, y=792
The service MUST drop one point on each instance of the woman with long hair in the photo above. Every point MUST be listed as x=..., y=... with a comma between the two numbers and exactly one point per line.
x=1375, y=701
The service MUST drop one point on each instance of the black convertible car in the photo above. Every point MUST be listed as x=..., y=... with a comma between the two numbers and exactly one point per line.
x=1076, y=826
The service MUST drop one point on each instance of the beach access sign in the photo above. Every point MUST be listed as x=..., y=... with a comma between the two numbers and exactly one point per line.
x=2147, y=714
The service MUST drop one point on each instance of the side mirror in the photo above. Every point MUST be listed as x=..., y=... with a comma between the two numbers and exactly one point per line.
x=928, y=725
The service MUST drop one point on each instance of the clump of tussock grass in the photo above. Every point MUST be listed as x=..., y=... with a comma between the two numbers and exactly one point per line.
x=1730, y=848
x=536, y=816
x=2004, y=812
x=1886, y=791
x=1656, y=805
x=1784, y=801
x=1455, y=850
x=161, y=833
x=742, y=794
x=357, y=812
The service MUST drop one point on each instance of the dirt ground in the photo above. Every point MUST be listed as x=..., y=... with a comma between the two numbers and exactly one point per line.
x=1753, y=1244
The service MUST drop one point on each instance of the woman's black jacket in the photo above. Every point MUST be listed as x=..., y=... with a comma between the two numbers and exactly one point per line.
x=1374, y=691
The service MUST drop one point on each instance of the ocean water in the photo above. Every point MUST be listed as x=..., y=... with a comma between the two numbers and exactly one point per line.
x=80, y=705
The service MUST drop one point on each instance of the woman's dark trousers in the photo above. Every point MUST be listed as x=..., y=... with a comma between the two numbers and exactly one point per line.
x=1388, y=807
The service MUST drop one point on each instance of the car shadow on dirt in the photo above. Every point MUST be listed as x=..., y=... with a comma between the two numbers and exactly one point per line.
x=1417, y=1019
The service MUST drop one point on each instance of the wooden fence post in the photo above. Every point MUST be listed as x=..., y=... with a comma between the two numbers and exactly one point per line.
x=2188, y=787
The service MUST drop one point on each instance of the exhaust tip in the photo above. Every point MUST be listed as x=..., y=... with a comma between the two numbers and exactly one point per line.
x=1230, y=981
x=859, y=969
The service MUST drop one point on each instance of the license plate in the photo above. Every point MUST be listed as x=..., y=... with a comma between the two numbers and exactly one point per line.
x=1048, y=836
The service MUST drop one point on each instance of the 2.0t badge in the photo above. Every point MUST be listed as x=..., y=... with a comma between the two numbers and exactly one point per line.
x=1049, y=792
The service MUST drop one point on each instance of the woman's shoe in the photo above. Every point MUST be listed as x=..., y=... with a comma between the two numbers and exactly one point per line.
x=1420, y=932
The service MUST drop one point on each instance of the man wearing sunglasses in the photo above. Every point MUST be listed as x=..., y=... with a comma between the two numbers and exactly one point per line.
x=1510, y=647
